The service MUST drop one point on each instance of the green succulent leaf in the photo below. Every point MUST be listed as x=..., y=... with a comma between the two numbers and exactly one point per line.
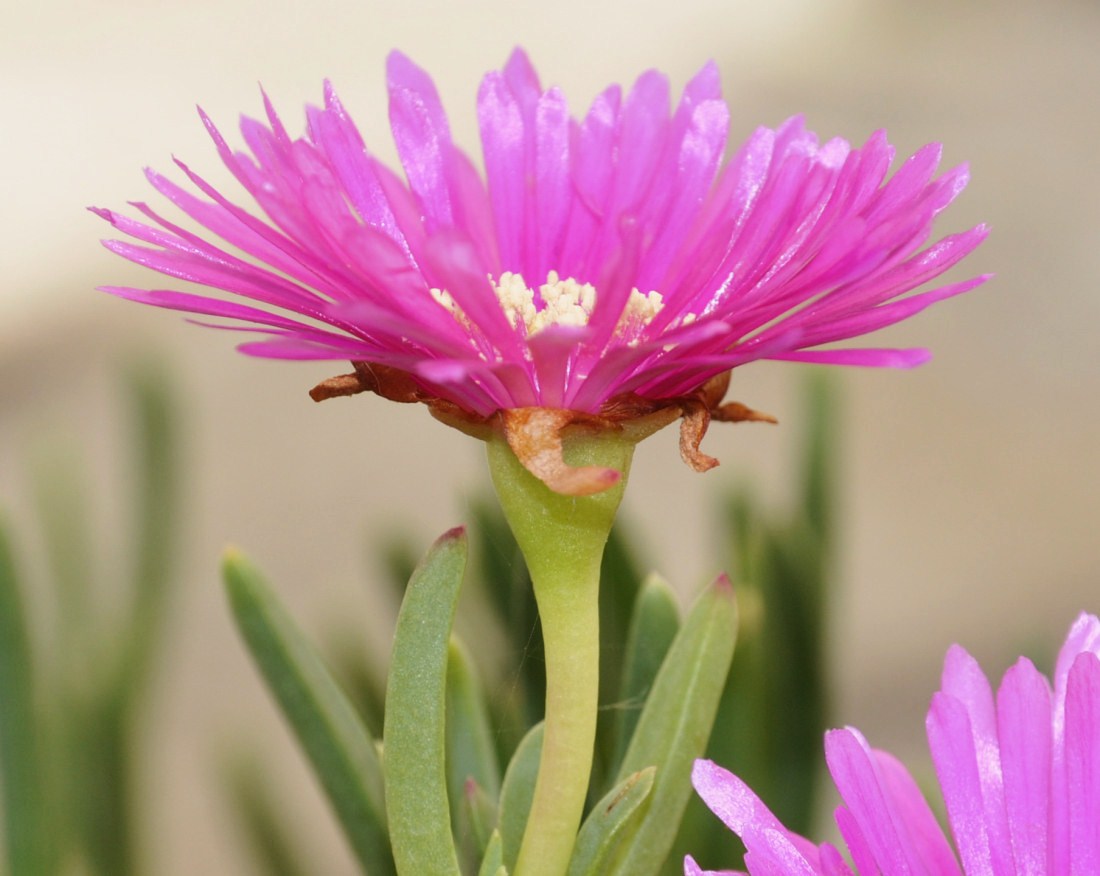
x=338, y=746
x=653, y=626
x=479, y=817
x=21, y=792
x=414, y=762
x=473, y=774
x=612, y=823
x=491, y=864
x=676, y=722
x=517, y=792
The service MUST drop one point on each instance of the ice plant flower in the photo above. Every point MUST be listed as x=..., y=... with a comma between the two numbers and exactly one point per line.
x=1020, y=775
x=600, y=281
x=608, y=270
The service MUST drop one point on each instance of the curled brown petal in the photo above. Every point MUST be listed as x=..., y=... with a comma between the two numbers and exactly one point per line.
x=391, y=383
x=735, y=412
x=535, y=436
x=693, y=426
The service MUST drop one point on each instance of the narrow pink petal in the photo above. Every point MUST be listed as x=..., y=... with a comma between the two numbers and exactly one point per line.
x=964, y=680
x=1082, y=759
x=503, y=144
x=952, y=741
x=337, y=135
x=1025, y=735
x=924, y=840
x=552, y=353
x=766, y=840
x=594, y=143
x=553, y=190
x=910, y=179
x=867, y=358
x=693, y=869
x=862, y=852
x=833, y=863
x=853, y=768
x=1083, y=637
x=423, y=137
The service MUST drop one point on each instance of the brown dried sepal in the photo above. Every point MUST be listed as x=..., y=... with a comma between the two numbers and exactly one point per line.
x=536, y=435
x=704, y=405
x=536, y=438
x=391, y=383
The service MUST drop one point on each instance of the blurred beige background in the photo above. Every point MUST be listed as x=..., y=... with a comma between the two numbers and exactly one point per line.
x=970, y=486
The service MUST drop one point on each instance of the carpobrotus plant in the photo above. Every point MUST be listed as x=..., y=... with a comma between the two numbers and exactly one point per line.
x=600, y=282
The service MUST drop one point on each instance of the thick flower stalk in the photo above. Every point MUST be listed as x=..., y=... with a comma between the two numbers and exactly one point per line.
x=607, y=266
x=1019, y=772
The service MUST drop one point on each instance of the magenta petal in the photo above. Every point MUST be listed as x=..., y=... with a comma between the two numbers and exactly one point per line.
x=767, y=841
x=423, y=137
x=693, y=869
x=964, y=680
x=894, y=821
x=1082, y=761
x=792, y=243
x=1025, y=735
x=951, y=739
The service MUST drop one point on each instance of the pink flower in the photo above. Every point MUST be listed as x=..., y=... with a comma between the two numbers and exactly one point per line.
x=1020, y=774
x=608, y=266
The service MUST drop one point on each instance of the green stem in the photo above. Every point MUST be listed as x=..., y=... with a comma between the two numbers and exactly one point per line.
x=562, y=539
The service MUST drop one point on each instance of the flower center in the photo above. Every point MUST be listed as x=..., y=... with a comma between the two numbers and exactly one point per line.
x=558, y=302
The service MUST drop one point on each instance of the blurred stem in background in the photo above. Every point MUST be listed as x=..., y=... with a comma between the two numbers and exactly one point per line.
x=74, y=701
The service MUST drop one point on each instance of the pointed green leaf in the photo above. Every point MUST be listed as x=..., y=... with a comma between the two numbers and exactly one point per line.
x=61, y=492
x=471, y=750
x=414, y=741
x=611, y=823
x=155, y=523
x=818, y=475
x=479, y=819
x=676, y=722
x=23, y=814
x=620, y=582
x=653, y=626
x=342, y=754
x=491, y=864
x=473, y=774
x=516, y=793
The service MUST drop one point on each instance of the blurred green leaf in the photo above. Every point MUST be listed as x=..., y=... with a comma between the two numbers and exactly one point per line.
x=480, y=816
x=266, y=829
x=676, y=722
x=415, y=740
x=336, y=743
x=471, y=751
x=516, y=793
x=653, y=628
x=491, y=864
x=156, y=521
x=20, y=764
x=611, y=824
x=620, y=582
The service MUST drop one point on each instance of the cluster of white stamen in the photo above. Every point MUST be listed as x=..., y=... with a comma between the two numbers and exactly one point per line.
x=558, y=302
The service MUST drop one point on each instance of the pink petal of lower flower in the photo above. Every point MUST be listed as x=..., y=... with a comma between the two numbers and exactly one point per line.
x=951, y=738
x=1082, y=758
x=1025, y=733
x=964, y=680
x=855, y=770
x=771, y=846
